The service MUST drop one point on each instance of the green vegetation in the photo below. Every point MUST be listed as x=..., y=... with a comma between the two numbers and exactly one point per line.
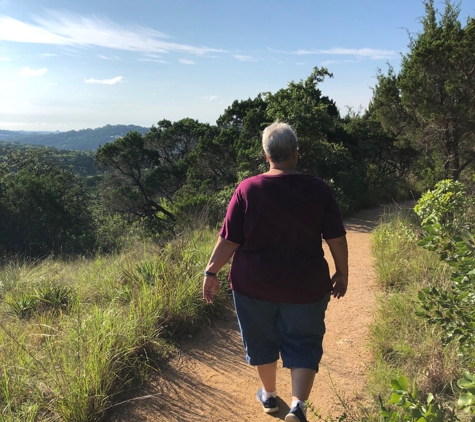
x=424, y=326
x=75, y=335
x=102, y=250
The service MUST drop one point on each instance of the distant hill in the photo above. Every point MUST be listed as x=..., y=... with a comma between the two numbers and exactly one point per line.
x=78, y=140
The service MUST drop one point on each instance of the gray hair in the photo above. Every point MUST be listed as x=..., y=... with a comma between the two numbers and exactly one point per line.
x=279, y=141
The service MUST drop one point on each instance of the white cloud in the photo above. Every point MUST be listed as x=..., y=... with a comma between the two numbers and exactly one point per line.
x=331, y=62
x=359, y=52
x=5, y=59
x=243, y=58
x=186, y=61
x=26, y=71
x=108, y=57
x=210, y=97
x=80, y=31
x=153, y=60
x=112, y=81
x=49, y=55
x=300, y=64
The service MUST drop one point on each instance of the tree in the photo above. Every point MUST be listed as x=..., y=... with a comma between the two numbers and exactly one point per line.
x=430, y=103
x=245, y=121
x=316, y=120
x=127, y=188
x=146, y=171
x=45, y=205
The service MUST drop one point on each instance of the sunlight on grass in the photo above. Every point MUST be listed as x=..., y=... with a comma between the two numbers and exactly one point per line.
x=75, y=335
x=402, y=342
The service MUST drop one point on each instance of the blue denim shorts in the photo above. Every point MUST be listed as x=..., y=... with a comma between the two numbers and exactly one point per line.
x=293, y=331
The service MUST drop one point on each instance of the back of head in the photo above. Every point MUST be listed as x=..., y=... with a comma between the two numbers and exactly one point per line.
x=279, y=141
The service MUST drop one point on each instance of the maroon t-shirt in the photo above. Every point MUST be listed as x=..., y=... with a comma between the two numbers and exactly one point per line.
x=279, y=221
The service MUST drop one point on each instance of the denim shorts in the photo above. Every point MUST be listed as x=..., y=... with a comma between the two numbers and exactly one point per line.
x=293, y=331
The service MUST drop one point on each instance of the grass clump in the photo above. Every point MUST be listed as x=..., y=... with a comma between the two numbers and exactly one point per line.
x=403, y=343
x=74, y=336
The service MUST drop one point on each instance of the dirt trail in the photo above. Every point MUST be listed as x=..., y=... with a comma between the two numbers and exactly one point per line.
x=209, y=380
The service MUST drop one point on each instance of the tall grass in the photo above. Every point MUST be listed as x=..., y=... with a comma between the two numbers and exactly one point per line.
x=96, y=326
x=402, y=342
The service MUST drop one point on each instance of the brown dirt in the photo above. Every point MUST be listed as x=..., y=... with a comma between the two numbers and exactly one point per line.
x=208, y=378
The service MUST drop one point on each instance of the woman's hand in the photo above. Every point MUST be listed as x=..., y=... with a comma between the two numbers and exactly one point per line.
x=210, y=287
x=340, y=285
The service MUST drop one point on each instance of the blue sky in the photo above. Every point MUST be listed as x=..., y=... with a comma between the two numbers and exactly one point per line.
x=82, y=64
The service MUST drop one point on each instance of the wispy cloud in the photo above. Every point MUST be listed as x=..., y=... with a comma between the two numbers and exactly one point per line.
x=112, y=81
x=300, y=64
x=210, y=97
x=26, y=71
x=108, y=57
x=186, y=61
x=5, y=59
x=153, y=60
x=81, y=31
x=331, y=62
x=243, y=58
x=49, y=54
x=359, y=52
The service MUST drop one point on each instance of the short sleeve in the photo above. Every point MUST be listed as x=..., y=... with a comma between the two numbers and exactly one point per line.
x=332, y=223
x=233, y=226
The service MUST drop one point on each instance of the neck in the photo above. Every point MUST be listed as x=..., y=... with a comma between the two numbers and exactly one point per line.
x=281, y=168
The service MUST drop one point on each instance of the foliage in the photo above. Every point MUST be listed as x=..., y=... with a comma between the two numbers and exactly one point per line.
x=443, y=205
x=46, y=207
x=411, y=408
x=314, y=118
x=387, y=163
x=81, y=349
x=429, y=103
x=452, y=307
x=131, y=186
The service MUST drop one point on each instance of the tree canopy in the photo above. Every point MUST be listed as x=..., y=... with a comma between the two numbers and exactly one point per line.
x=430, y=103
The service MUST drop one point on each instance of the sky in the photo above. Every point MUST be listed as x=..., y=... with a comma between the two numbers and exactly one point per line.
x=70, y=65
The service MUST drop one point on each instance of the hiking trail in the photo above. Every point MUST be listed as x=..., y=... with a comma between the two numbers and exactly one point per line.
x=208, y=379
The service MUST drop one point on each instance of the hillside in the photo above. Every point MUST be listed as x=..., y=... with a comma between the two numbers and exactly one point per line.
x=80, y=140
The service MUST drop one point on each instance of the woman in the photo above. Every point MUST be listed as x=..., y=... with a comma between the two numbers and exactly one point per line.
x=279, y=277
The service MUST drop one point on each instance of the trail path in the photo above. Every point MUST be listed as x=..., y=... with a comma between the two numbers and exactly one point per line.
x=209, y=380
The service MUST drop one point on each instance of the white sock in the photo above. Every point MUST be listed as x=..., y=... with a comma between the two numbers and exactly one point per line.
x=266, y=395
x=299, y=403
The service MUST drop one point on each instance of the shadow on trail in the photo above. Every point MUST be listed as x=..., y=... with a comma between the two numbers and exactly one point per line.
x=366, y=221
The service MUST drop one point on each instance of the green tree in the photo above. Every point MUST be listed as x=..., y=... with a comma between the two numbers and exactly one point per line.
x=128, y=187
x=430, y=102
x=146, y=171
x=322, y=152
x=245, y=121
x=45, y=205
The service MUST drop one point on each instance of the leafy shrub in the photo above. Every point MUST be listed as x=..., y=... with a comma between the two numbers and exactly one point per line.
x=448, y=204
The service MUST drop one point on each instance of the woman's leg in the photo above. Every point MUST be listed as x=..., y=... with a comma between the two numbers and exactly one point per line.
x=268, y=374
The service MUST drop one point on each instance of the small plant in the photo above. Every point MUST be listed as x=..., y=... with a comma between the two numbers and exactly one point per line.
x=409, y=407
x=24, y=306
x=55, y=298
x=467, y=400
